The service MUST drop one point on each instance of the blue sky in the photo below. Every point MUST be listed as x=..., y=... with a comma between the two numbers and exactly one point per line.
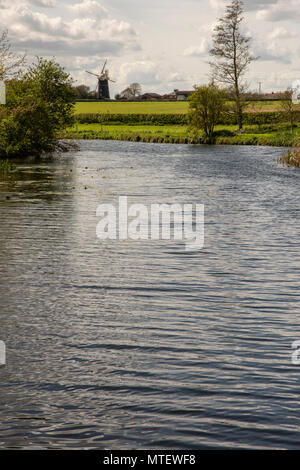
x=163, y=44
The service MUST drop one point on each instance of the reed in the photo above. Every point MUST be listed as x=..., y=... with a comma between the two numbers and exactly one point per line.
x=292, y=157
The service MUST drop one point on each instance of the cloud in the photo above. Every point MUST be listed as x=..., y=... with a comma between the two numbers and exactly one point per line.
x=43, y=3
x=249, y=5
x=197, y=51
x=175, y=77
x=88, y=9
x=143, y=72
x=55, y=35
x=274, y=47
x=282, y=33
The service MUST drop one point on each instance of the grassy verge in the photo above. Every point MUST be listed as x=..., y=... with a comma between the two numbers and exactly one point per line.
x=279, y=135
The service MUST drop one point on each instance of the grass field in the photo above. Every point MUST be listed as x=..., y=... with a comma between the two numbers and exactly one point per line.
x=280, y=135
x=175, y=107
x=133, y=108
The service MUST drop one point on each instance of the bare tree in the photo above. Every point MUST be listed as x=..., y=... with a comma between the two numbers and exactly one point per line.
x=231, y=50
x=132, y=91
x=127, y=94
x=136, y=89
x=11, y=64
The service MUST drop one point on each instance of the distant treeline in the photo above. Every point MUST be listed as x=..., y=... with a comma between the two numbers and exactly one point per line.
x=95, y=100
x=250, y=118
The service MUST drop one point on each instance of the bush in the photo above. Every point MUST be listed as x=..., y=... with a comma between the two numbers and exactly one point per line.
x=224, y=133
x=38, y=106
x=259, y=119
x=156, y=119
x=207, y=106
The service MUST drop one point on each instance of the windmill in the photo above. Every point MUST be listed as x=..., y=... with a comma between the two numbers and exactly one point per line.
x=103, y=86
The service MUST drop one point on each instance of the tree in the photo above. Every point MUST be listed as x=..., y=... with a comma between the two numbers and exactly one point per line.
x=127, y=94
x=136, y=89
x=289, y=107
x=132, y=91
x=11, y=65
x=82, y=91
x=39, y=106
x=231, y=50
x=206, y=106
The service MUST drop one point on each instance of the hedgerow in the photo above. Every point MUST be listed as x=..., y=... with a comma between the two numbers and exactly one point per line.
x=250, y=118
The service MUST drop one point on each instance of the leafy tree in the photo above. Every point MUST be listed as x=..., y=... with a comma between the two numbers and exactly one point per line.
x=289, y=107
x=231, y=51
x=39, y=105
x=11, y=65
x=82, y=91
x=206, y=107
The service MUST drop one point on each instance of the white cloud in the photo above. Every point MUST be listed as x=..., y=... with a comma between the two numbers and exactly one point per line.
x=274, y=47
x=282, y=33
x=143, y=72
x=176, y=77
x=55, y=35
x=197, y=51
x=248, y=4
x=43, y=3
x=88, y=9
x=282, y=10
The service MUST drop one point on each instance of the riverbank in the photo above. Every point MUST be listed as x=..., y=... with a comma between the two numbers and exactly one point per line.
x=278, y=135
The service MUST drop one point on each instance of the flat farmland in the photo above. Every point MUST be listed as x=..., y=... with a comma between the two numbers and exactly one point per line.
x=167, y=107
x=118, y=107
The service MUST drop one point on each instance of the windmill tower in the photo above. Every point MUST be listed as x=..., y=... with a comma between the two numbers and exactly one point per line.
x=103, y=85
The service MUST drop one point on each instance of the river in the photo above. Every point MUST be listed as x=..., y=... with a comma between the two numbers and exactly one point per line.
x=142, y=344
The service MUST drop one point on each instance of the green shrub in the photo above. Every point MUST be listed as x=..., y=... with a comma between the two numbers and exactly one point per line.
x=224, y=133
x=259, y=119
x=39, y=106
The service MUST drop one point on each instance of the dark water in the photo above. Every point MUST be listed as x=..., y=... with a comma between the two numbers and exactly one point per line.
x=129, y=345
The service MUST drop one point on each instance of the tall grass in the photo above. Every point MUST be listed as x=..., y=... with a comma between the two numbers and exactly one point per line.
x=292, y=157
x=6, y=167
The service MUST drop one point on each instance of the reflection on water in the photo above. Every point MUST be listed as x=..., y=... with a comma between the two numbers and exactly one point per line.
x=141, y=344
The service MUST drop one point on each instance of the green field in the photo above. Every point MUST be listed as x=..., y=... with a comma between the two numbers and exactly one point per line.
x=133, y=108
x=279, y=135
x=175, y=107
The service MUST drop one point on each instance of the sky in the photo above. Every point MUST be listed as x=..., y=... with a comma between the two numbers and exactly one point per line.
x=161, y=44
